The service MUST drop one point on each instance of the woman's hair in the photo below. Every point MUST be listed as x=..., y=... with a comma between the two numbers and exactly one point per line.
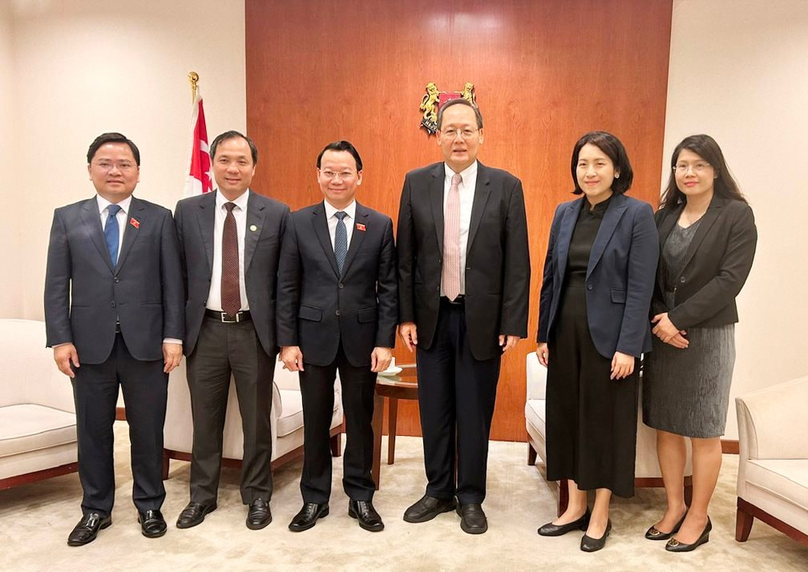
x=614, y=149
x=705, y=147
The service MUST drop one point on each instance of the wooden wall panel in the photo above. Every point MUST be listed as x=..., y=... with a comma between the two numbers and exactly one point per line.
x=546, y=71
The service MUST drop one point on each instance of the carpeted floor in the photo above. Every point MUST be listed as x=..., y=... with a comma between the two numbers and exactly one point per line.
x=36, y=520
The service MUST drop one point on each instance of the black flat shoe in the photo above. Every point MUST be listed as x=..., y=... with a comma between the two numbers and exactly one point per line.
x=472, y=518
x=654, y=533
x=308, y=516
x=428, y=508
x=259, y=515
x=551, y=529
x=589, y=544
x=87, y=529
x=674, y=545
x=152, y=523
x=367, y=516
x=193, y=514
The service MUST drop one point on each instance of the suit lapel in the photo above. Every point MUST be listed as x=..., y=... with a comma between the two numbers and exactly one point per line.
x=91, y=219
x=614, y=212
x=255, y=220
x=357, y=236
x=570, y=217
x=436, y=196
x=665, y=228
x=481, y=192
x=707, y=221
x=207, y=222
x=320, y=225
x=130, y=231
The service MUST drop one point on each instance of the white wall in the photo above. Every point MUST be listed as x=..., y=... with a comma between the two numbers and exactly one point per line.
x=739, y=72
x=88, y=66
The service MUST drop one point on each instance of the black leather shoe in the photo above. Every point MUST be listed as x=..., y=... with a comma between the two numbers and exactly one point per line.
x=152, y=523
x=308, y=515
x=367, y=516
x=472, y=518
x=551, y=529
x=589, y=544
x=87, y=529
x=194, y=514
x=259, y=514
x=428, y=508
x=674, y=545
x=654, y=533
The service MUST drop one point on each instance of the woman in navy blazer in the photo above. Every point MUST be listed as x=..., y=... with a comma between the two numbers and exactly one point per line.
x=593, y=327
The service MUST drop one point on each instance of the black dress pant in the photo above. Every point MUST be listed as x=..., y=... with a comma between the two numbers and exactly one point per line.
x=221, y=350
x=95, y=390
x=456, y=396
x=317, y=392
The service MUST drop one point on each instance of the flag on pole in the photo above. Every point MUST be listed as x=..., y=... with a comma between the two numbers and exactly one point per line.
x=199, y=177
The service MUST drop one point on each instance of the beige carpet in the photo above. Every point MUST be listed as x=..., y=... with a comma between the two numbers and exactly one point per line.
x=36, y=519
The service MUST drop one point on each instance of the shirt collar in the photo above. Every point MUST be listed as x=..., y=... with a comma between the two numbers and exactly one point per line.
x=241, y=201
x=330, y=209
x=104, y=203
x=468, y=174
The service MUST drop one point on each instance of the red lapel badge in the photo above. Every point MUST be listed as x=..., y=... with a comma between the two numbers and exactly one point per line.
x=134, y=222
x=360, y=226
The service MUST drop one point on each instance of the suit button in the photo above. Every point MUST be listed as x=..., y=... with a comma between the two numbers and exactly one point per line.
x=112, y=303
x=341, y=286
x=682, y=280
x=204, y=302
x=116, y=280
x=337, y=312
x=589, y=286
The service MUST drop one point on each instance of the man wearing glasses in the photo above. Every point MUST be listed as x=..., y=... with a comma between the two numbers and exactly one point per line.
x=337, y=311
x=464, y=277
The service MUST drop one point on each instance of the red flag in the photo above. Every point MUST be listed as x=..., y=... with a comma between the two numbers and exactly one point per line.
x=199, y=177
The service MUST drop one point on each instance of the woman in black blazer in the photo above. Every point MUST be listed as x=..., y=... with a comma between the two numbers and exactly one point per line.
x=707, y=237
x=593, y=326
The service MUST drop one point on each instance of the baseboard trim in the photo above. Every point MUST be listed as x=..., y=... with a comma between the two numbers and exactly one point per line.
x=120, y=414
x=730, y=446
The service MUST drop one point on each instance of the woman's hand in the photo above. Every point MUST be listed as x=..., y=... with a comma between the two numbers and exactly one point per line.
x=667, y=332
x=622, y=365
x=543, y=353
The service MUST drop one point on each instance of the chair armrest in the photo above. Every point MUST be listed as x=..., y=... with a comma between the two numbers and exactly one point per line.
x=536, y=377
x=286, y=379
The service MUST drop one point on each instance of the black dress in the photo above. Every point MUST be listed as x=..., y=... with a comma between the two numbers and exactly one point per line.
x=591, y=419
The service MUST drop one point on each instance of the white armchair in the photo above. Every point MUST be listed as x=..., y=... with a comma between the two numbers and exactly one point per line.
x=773, y=462
x=37, y=413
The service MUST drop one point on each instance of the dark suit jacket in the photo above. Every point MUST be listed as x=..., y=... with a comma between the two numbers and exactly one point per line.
x=85, y=295
x=317, y=309
x=195, y=218
x=497, y=258
x=619, y=279
x=719, y=259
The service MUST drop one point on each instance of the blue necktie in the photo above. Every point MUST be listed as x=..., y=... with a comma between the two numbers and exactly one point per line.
x=112, y=232
x=341, y=240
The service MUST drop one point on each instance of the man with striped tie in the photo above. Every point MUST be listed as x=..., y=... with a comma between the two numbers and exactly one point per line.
x=337, y=310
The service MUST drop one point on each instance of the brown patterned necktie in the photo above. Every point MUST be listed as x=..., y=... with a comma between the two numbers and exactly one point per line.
x=231, y=296
x=451, y=241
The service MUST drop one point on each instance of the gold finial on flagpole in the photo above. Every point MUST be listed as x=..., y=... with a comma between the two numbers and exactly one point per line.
x=193, y=77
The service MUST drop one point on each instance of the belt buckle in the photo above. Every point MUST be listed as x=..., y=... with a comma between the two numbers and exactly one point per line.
x=226, y=321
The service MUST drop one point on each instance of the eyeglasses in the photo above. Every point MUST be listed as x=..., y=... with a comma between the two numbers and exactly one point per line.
x=344, y=175
x=464, y=133
x=122, y=167
x=698, y=168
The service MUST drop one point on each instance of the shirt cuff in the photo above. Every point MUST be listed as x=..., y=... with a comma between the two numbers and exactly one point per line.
x=172, y=341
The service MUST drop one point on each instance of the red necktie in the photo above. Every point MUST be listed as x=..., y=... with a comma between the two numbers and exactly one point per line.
x=231, y=295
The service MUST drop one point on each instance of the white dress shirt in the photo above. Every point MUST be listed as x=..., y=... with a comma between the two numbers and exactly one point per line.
x=466, y=191
x=240, y=214
x=331, y=218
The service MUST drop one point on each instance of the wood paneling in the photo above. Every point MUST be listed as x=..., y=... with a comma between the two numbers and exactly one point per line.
x=545, y=72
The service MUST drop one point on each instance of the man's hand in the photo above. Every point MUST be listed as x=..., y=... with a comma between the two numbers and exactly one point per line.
x=544, y=353
x=380, y=359
x=508, y=342
x=172, y=356
x=667, y=332
x=64, y=355
x=622, y=365
x=292, y=358
x=409, y=334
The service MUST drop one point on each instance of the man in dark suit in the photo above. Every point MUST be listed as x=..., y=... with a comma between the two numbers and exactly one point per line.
x=229, y=245
x=337, y=310
x=113, y=313
x=464, y=277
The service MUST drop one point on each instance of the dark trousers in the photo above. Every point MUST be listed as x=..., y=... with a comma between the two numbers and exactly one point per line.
x=317, y=389
x=222, y=350
x=456, y=395
x=145, y=390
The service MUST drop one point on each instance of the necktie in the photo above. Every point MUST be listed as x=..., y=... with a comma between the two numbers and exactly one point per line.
x=231, y=296
x=112, y=233
x=451, y=241
x=340, y=240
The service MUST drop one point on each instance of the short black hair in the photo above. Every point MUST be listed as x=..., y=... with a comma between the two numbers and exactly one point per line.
x=341, y=146
x=111, y=137
x=460, y=101
x=234, y=135
x=615, y=150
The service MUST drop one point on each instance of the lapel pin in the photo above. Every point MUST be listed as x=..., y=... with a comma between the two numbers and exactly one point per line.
x=360, y=226
x=253, y=228
x=134, y=222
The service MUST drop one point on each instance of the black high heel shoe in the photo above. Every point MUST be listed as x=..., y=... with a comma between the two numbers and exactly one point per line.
x=654, y=533
x=674, y=545
x=589, y=544
x=551, y=529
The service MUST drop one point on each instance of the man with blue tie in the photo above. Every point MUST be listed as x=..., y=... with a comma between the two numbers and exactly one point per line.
x=113, y=314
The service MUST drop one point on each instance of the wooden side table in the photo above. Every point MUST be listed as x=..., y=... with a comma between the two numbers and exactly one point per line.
x=401, y=386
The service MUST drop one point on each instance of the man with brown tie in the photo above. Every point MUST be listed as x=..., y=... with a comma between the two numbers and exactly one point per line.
x=464, y=278
x=230, y=245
